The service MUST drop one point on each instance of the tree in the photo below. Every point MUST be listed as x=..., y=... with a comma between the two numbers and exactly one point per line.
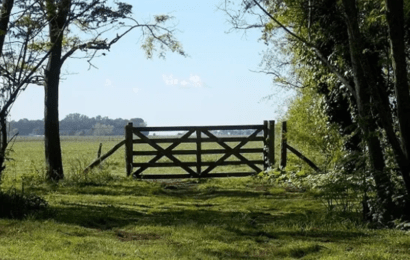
x=94, y=19
x=6, y=9
x=101, y=129
x=18, y=66
x=343, y=43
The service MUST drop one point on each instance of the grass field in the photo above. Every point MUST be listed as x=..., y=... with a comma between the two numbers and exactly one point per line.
x=104, y=215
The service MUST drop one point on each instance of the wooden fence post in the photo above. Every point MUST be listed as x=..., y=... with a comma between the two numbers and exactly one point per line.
x=198, y=152
x=103, y=157
x=265, y=146
x=99, y=151
x=128, y=148
x=271, y=142
x=283, y=155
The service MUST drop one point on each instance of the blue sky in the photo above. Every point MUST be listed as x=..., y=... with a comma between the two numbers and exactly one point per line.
x=213, y=86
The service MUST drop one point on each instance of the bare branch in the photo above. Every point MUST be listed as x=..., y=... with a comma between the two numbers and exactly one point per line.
x=318, y=53
x=280, y=79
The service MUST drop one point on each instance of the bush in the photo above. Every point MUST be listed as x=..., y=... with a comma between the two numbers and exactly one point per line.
x=310, y=132
x=17, y=205
x=75, y=175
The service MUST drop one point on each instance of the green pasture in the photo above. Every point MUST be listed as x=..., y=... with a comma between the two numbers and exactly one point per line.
x=28, y=155
x=104, y=215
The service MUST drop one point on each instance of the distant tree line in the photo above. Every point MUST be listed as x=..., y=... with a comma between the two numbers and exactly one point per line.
x=228, y=132
x=76, y=125
x=234, y=132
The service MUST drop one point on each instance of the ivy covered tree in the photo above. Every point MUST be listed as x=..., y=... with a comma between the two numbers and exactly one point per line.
x=355, y=54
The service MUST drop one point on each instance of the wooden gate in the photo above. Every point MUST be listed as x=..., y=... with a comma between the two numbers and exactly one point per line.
x=199, y=135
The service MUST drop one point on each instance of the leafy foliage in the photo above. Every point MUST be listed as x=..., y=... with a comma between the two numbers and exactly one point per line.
x=310, y=130
x=352, y=55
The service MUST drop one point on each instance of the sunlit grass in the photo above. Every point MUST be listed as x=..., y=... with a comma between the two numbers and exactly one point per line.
x=104, y=215
x=28, y=156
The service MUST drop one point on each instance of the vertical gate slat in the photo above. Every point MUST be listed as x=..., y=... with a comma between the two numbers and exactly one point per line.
x=265, y=146
x=283, y=154
x=271, y=142
x=128, y=148
x=198, y=152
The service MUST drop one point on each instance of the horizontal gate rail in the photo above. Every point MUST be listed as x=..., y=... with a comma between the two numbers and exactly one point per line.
x=193, y=140
x=194, y=152
x=187, y=176
x=200, y=128
x=193, y=164
x=202, y=166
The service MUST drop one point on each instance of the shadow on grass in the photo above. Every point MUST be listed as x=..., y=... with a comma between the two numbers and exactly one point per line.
x=241, y=225
x=198, y=188
x=157, y=189
x=313, y=235
x=266, y=253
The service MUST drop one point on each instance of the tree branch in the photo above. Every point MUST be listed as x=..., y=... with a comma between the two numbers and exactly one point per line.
x=318, y=53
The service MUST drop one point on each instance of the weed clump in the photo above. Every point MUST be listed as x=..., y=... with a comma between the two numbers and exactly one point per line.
x=17, y=205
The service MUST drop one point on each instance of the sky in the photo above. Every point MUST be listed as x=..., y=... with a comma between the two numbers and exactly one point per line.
x=213, y=86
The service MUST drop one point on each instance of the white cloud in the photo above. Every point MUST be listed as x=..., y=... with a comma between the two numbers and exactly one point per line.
x=184, y=83
x=169, y=80
x=194, y=81
x=136, y=90
x=108, y=83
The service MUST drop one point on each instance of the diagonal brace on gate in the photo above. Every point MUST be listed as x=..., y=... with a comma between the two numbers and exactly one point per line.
x=231, y=151
x=165, y=152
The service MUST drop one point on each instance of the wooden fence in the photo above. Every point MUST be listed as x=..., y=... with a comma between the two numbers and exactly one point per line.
x=202, y=134
x=199, y=135
x=285, y=146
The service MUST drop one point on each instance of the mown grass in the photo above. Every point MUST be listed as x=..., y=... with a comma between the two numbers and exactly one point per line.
x=108, y=216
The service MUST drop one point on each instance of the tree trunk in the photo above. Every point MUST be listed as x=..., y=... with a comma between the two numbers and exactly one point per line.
x=6, y=8
x=57, y=16
x=395, y=22
x=383, y=182
x=383, y=108
x=4, y=143
x=51, y=122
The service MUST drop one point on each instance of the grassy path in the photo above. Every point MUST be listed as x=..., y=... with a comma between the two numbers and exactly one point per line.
x=213, y=219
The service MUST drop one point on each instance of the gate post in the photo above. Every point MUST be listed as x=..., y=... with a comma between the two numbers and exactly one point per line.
x=283, y=148
x=269, y=144
x=128, y=148
x=198, y=152
x=265, y=146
